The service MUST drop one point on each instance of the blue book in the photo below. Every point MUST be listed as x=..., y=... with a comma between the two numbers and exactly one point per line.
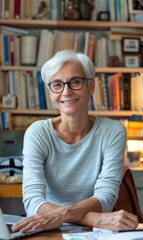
x=41, y=91
x=6, y=50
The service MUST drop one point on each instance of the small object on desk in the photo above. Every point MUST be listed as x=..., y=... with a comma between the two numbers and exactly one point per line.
x=73, y=227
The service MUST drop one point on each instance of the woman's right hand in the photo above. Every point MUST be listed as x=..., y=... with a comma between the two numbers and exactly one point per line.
x=118, y=220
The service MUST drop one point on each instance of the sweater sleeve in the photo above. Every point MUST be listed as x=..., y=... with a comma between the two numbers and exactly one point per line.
x=113, y=147
x=34, y=194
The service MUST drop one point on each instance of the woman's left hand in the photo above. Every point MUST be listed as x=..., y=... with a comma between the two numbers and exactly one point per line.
x=39, y=221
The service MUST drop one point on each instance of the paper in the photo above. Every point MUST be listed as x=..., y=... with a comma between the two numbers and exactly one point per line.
x=103, y=234
x=136, y=235
x=97, y=234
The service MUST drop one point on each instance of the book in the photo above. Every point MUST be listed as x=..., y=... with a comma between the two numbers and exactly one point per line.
x=30, y=91
x=23, y=90
x=7, y=9
x=11, y=3
x=17, y=50
x=41, y=91
x=6, y=50
x=17, y=88
x=2, y=83
x=127, y=91
x=17, y=8
x=35, y=89
x=41, y=48
x=1, y=50
x=91, y=46
x=10, y=83
x=2, y=9
x=11, y=49
x=136, y=92
x=112, y=10
x=28, y=8
x=13, y=30
x=22, y=9
x=96, y=95
x=5, y=120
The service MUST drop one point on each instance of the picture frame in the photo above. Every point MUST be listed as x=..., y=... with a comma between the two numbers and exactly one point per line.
x=131, y=45
x=132, y=61
x=137, y=4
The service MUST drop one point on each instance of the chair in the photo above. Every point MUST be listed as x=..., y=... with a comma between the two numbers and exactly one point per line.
x=127, y=198
x=11, y=145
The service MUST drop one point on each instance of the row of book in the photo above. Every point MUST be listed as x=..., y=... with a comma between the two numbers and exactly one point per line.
x=101, y=47
x=112, y=91
x=118, y=92
x=117, y=10
x=27, y=87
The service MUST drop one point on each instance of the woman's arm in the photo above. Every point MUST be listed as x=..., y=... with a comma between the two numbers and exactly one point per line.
x=74, y=212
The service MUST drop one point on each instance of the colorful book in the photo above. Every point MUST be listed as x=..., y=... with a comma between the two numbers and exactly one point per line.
x=6, y=50
x=41, y=91
x=11, y=49
x=17, y=8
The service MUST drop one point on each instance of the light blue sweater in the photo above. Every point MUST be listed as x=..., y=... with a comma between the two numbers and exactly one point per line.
x=63, y=174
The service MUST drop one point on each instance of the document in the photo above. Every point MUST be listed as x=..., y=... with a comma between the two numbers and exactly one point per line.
x=103, y=234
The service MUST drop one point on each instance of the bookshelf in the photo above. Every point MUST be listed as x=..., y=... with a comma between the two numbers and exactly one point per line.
x=65, y=25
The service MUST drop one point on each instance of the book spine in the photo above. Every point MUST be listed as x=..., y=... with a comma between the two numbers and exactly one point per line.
x=6, y=50
x=11, y=47
x=1, y=50
x=127, y=92
x=17, y=7
x=5, y=120
x=7, y=8
x=42, y=99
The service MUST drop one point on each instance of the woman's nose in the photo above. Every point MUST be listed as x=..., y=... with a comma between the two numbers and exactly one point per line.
x=67, y=89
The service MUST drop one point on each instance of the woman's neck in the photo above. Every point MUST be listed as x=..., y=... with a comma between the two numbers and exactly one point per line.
x=72, y=130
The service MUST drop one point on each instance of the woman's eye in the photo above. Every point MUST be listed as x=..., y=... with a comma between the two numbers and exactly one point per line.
x=75, y=82
x=57, y=85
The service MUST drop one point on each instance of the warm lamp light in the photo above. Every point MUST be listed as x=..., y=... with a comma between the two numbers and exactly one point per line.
x=135, y=151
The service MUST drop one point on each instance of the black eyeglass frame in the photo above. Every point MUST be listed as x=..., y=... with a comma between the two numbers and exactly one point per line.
x=68, y=83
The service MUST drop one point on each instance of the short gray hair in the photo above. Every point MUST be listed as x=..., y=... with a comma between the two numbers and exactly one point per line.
x=54, y=64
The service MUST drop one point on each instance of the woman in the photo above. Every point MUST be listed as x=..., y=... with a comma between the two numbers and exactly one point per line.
x=73, y=163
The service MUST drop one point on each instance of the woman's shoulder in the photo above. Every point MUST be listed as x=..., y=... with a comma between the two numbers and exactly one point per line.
x=109, y=123
x=39, y=125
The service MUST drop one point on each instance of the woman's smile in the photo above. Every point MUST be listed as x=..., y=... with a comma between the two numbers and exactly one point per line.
x=69, y=101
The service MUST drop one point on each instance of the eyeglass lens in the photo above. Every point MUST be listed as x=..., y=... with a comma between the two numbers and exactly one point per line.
x=57, y=86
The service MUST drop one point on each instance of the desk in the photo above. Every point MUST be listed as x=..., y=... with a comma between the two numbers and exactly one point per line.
x=47, y=235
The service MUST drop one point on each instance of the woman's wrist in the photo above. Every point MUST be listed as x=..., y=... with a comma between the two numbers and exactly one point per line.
x=91, y=219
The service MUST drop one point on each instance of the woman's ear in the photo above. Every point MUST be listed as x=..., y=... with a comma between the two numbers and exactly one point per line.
x=91, y=86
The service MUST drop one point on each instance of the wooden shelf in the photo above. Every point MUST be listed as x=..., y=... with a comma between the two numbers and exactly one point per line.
x=64, y=24
x=115, y=113
x=52, y=112
x=31, y=111
x=98, y=69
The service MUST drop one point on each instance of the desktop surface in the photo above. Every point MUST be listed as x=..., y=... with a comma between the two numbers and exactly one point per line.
x=51, y=235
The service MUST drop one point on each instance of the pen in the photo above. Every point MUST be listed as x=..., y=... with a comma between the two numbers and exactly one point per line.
x=132, y=230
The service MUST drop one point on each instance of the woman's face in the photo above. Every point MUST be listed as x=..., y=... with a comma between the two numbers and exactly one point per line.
x=70, y=101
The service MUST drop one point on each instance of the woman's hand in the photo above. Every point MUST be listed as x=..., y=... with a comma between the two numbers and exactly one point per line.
x=119, y=220
x=39, y=221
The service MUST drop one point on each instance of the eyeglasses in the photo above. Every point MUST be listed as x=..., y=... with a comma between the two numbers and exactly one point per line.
x=75, y=83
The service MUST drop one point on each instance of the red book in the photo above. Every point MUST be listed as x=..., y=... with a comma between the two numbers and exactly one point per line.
x=11, y=48
x=17, y=6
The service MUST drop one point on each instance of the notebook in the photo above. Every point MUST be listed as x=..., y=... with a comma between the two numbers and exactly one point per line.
x=6, y=222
